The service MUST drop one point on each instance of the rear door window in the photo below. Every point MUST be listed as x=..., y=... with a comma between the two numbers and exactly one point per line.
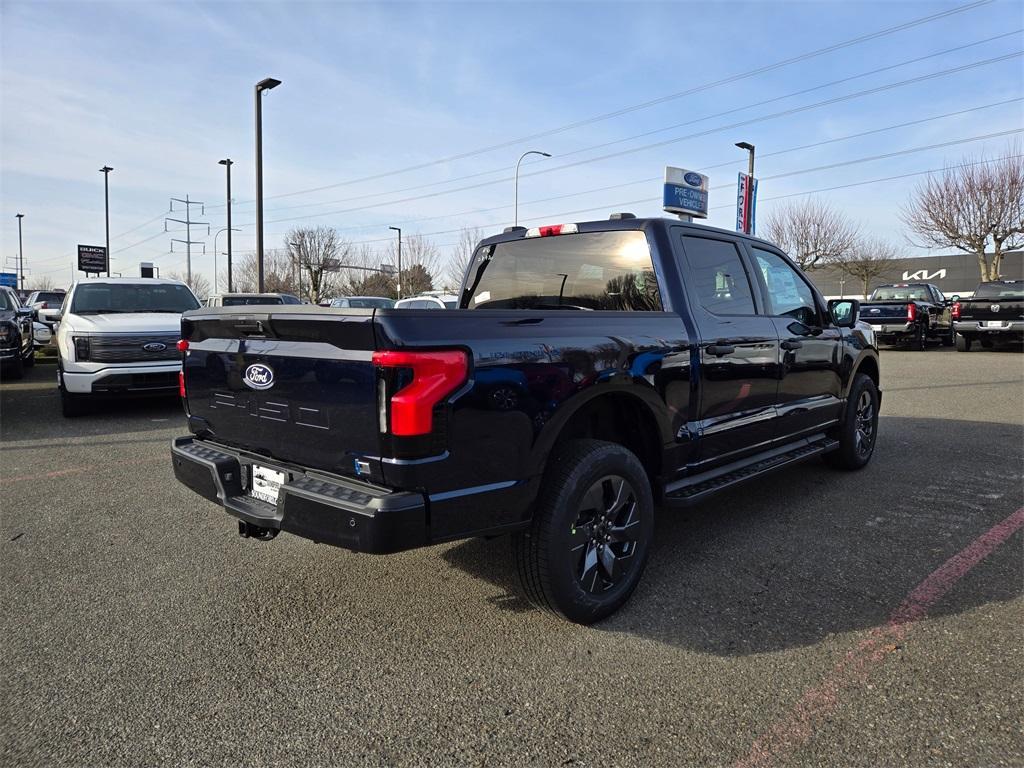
x=717, y=278
x=788, y=294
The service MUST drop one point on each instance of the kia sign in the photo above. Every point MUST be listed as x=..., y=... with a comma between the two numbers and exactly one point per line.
x=686, y=193
x=746, y=204
x=92, y=258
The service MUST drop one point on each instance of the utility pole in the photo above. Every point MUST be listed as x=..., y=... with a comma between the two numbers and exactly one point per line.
x=188, y=241
x=398, y=284
x=227, y=166
x=105, y=170
x=21, y=252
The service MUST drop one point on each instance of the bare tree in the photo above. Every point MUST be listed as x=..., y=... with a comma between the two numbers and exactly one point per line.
x=811, y=232
x=198, y=283
x=417, y=251
x=869, y=260
x=42, y=283
x=278, y=273
x=969, y=204
x=462, y=255
x=317, y=254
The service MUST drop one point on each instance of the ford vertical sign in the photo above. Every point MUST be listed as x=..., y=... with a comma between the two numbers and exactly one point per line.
x=686, y=192
x=746, y=204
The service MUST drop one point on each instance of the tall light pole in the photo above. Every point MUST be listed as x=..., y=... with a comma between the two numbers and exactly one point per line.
x=263, y=85
x=398, y=284
x=228, y=230
x=226, y=162
x=105, y=170
x=530, y=152
x=21, y=252
x=749, y=196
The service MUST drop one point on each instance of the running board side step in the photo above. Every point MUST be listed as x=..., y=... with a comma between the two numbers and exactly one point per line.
x=691, y=490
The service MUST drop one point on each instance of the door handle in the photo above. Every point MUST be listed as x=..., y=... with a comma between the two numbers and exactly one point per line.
x=790, y=344
x=719, y=350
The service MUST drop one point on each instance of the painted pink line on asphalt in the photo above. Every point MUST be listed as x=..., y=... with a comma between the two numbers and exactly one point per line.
x=797, y=728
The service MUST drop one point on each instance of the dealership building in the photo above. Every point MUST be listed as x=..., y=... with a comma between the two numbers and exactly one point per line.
x=955, y=273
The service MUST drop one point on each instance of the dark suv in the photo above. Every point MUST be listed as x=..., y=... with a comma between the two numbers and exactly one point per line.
x=17, y=336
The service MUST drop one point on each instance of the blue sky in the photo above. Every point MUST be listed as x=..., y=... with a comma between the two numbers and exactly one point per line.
x=161, y=91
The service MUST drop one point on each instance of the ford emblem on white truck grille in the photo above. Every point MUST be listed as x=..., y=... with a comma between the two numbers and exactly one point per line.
x=154, y=346
x=259, y=376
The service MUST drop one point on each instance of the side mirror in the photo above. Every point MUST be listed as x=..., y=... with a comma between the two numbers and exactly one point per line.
x=25, y=312
x=844, y=312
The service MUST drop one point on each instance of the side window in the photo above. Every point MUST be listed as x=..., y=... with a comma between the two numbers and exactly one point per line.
x=788, y=294
x=939, y=298
x=717, y=276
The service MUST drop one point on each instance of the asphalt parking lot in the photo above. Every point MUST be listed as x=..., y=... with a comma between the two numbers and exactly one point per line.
x=811, y=618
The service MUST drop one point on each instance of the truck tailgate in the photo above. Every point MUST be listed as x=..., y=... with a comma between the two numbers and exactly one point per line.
x=873, y=312
x=297, y=385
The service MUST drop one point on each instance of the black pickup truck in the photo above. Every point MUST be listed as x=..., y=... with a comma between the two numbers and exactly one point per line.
x=592, y=371
x=993, y=314
x=909, y=312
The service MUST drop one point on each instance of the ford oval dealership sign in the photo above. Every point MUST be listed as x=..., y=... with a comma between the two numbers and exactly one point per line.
x=686, y=193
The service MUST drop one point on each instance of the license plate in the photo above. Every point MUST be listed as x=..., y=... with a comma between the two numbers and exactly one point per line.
x=993, y=323
x=265, y=484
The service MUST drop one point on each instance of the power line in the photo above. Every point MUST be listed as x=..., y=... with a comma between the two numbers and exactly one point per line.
x=666, y=142
x=734, y=110
x=653, y=102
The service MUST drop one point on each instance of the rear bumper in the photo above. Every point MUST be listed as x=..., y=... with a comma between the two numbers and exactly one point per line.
x=893, y=329
x=979, y=327
x=315, y=505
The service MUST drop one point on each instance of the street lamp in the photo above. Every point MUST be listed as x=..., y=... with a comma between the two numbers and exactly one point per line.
x=226, y=162
x=530, y=152
x=105, y=170
x=229, y=231
x=398, y=285
x=750, y=148
x=263, y=85
x=21, y=252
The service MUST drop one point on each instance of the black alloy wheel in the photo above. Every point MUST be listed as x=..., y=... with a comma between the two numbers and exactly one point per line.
x=603, y=540
x=865, y=424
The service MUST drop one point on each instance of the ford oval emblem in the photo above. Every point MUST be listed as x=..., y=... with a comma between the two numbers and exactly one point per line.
x=154, y=346
x=693, y=179
x=259, y=376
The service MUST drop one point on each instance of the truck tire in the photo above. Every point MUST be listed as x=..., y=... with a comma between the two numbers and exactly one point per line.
x=859, y=429
x=920, y=340
x=592, y=526
x=963, y=344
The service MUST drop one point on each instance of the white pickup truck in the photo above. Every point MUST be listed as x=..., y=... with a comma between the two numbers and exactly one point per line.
x=117, y=337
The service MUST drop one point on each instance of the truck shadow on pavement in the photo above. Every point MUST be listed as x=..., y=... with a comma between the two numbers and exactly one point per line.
x=30, y=409
x=792, y=558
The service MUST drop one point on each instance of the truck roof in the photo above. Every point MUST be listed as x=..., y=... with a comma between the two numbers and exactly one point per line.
x=628, y=223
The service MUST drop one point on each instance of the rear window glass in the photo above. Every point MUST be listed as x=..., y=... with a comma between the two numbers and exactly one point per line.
x=381, y=303
x=1000, y=291
x=239, y=301
x=593, y=270
x=900, y=293
x=50, y=298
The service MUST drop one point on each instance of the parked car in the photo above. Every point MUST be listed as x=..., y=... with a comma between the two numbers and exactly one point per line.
x=17, y=338
x=47, y=305
x=909, y=312
x=429, y=301
x=362, y=302
x=995, y=313
x=618, y=363
x=118, y=336
x=248, y=299
x=42, y=335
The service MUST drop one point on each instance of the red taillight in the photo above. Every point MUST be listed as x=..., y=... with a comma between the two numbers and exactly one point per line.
x=954, y=311
x=44, y=306
x=182, y=345
x=435, y=375
x=181, y=384
x=911, y=313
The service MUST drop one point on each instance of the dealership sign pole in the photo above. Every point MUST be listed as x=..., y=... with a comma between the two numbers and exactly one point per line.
x=92, y=259
x=746, y=204
x=685, y=193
